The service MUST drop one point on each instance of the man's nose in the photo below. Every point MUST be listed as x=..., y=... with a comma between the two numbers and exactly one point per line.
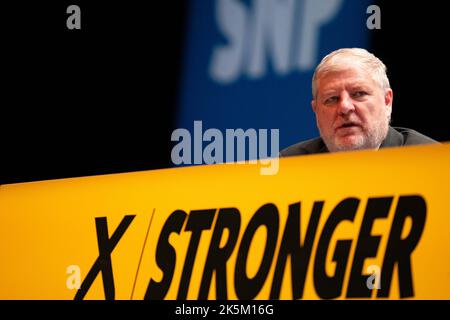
x=345, y=104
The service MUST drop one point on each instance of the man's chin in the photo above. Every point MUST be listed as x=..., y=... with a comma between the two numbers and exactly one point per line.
x=349, y=143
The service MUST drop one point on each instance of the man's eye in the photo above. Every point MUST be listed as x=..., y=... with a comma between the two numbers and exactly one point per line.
x=359, y=94
x=331, y=100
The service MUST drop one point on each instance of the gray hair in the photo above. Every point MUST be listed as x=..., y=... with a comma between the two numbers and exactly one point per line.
x=340, y=59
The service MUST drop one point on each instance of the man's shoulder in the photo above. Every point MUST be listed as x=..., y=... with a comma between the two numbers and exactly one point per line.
x=399, y=136
x=311, y=146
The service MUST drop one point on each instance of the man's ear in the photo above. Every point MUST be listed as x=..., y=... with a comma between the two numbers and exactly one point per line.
x=388, y=99
x=313, y=105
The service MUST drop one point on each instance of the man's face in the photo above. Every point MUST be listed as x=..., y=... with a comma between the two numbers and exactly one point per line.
x=352, y=110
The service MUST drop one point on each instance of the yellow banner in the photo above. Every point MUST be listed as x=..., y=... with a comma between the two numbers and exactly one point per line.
x=333, y=226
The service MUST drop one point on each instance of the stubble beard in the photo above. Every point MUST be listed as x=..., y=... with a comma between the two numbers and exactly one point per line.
x=367, y=139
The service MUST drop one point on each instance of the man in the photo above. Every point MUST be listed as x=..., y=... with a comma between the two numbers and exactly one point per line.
x=352, y=101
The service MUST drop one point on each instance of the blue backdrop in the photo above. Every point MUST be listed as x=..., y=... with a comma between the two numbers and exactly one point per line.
x=249, y=64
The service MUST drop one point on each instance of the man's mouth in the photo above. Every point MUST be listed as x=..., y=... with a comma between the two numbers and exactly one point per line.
x=348, y=127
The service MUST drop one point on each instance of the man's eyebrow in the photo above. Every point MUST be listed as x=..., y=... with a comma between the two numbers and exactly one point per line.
x=352, y=86
x=328, y=92
x=359, y=85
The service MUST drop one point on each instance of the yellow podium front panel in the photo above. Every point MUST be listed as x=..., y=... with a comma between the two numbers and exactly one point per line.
x=356, y=225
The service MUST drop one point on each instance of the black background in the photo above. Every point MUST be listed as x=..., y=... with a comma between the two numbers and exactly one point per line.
x=411, y=42
x=102, y=99
x=90, y=101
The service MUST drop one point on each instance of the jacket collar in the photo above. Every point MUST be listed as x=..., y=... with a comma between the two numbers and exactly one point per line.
x=393, y=139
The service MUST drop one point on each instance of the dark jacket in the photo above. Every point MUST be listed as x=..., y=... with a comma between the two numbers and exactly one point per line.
x=396, y=137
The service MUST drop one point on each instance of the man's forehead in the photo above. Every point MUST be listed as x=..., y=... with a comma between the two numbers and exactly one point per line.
x=345, y=77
